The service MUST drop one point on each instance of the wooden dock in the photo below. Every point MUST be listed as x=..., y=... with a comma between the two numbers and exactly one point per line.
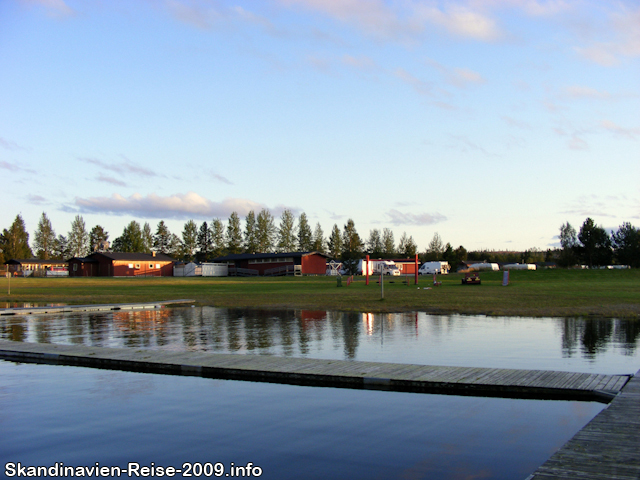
x=607, y=448
x=90, y=308
x=508, y=383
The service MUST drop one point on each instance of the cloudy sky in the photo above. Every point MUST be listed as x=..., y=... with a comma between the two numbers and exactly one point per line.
x=491, y=122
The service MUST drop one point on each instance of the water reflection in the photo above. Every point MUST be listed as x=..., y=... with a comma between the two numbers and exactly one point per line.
x=574, y=344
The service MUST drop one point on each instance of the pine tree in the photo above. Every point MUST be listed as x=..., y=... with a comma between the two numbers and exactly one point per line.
x=335, y=242
x=217, y=238
x=352, y=247
x=388, y=243
x=374, y=244
x=14, y=242
x=78, y=238
x=131, y=240
x=304, y=238
x=190, y=240
x=147, y=238
x=45, y=239
x=61, y=249
x=286, y=232
x=250, y=233
x=265, y=231
x=407, y=246
x=234, y=234
x=205, y=243
x=319, y=242
x=97, y=238
x=162, y=238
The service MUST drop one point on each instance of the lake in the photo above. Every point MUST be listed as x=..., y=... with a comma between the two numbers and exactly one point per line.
x=81, y=416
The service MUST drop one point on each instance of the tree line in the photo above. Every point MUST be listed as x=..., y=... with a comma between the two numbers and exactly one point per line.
x=259, y=233
x=593, y=246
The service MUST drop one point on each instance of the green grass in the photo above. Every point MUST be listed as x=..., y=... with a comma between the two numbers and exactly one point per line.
x=603, y=293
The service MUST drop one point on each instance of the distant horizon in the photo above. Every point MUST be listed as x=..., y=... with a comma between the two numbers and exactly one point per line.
x=491, y=123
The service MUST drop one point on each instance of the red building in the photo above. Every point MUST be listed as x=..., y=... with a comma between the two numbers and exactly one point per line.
x=115, y=264
x=291, y=263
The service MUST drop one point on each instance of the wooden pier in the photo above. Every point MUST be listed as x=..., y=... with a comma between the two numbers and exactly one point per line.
x=90, y=308
x=607, y=448
x=509, y=383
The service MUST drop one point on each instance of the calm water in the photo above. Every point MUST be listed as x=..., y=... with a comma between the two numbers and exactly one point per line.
x=581, y=345
x=82, y=416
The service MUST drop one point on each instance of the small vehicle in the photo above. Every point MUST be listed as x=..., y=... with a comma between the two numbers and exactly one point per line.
x=471, y=278
x=391, y=270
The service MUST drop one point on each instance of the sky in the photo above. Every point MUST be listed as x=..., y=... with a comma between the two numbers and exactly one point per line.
x=490, y=122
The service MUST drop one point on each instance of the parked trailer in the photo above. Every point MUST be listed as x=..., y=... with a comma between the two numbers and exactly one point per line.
x=429, y=268
x=485, y=266
x=520, y=266
x=377, y=267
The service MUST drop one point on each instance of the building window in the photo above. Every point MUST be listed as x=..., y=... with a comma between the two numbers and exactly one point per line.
x=151, y=266
x=157, y=265
x=131, y=265
x=138, y=266
x=75, y=267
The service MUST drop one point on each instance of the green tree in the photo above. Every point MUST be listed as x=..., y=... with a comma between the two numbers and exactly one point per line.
x=250, y=233
x=131, y=240
x=176, y=249
x=352, y=248
x=448, y=255
x=595, y=245
x=97, y=238
x=407, y=246
x=189, y=240
x=286, y=232
x=162, y=238
x=217, y=238
x=374, y=244
x=266, y=231
x=234, y=234
x=626, y=245
x=78, y=238
x=44, y=241
x=318, y=239
x=388, y=242
x=335, y=242
x=435, y=250
x=61, y=249
x=305, y=239
x=147, y=238
x=568, y=244
x=205, y=243
x=14, y=242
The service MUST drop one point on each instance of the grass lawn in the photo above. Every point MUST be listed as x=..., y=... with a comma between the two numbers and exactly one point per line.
x=603, y=293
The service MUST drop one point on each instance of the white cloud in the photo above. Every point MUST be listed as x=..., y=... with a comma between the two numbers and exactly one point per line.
x=631, y=133
x=420, y=85
x=56, y=8
x=177, y=206
x=398, y=218
x=9, y=144
x=579, y=91
x=12, y=167
x=122, y=167
x=461, y=21
x=458, y=77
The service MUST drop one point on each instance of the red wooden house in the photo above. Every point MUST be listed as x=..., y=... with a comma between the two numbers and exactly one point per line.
x=115, y=264
x=291, y=263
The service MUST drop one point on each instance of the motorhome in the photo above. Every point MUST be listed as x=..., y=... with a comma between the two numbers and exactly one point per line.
x=429, y=268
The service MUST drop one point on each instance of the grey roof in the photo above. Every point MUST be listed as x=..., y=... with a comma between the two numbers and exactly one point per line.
x=37, y=261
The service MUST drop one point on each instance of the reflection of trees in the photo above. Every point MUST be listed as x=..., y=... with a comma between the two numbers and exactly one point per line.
x=351, y=333
x=596, y=335
x=14, y=329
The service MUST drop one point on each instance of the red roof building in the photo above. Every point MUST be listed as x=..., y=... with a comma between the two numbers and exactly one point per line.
x=115, y=264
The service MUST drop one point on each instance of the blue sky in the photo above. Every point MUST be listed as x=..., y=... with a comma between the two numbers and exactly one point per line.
x=490, y=122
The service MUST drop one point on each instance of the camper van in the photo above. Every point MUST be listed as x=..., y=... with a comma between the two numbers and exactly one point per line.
x=429, y=268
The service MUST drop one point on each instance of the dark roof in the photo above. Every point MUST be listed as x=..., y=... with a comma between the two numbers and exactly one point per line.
x=142, y=257
x=84, y=259
x=250, y=256
x=37, y=261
